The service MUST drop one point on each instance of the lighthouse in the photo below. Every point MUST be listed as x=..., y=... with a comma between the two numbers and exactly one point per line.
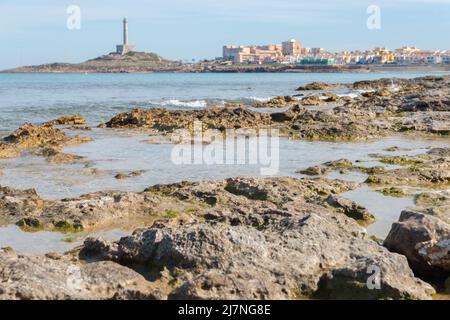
x=125, y=47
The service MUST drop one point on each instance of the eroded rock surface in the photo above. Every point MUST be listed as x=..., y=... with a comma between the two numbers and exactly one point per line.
x=277, y=102
x=29, y=137
x=396, y=105
x=68, y=120
x=41, y=278
x=424, y=240
x=165, y=120
x=314, y=254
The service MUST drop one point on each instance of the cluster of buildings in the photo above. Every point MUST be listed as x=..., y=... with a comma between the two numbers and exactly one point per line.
x=271, y=53
x=404, y=55
x=292, y=52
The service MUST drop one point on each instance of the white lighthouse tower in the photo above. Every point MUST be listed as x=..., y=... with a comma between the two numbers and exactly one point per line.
x=125, y=47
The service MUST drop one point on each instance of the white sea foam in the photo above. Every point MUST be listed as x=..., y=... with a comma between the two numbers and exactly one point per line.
x=350, y=94
x=191, y=104
x=260, y=99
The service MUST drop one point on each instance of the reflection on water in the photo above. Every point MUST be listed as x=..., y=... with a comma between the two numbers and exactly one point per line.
x=42, y=242
x=113, y=152
x=385, y=209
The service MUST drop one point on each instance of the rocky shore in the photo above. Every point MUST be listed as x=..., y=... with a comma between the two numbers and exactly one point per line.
x=416, y=106
x=248, y=237
x=236, y=239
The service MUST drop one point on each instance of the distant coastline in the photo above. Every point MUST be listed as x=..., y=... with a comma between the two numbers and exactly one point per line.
x=142, y=62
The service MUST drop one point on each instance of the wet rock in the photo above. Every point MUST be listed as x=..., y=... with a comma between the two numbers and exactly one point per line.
x=439, y=152
x=427, y=102
x=434, y=172
x=55, y=156
x=136, y=173
x=322, y=99
x=385, y=83
x=281, y=116
x=226, y=199
x=360, y=119
x=428, y=122
x=377, y=93
x=92, y=211
x=315, y=171
x=29, y=223
x=233, y=105
x=251, y=191
x=9, y=151
x=313, y=100
x=68, y=120
x=80, y=127
x=319, y=86
x=277, y=102
x=403, y=160
x=351, y=209
x=121, y=176
x=41, y=278
x=424, y=240
x=327, y=167
x=339, y=124
x=435, y=203
x=166, y=121
x=31, y=137
x=394, y=192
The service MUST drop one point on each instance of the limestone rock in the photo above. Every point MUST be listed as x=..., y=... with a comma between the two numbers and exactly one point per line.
x=68, y=120
x=351, y=209
x=424, y=240
x=277, y=102
x=319, y=86
x=41, y=278
x=302, y=255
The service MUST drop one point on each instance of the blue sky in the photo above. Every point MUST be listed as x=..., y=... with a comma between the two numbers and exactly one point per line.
x=34, y=32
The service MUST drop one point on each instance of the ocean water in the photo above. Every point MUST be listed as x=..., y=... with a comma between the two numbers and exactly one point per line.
x=41, y=97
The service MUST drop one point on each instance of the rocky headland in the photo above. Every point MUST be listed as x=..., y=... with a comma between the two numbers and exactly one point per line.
x=147, y=62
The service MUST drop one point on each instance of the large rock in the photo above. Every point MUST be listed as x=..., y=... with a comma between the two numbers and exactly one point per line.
x=277, y=102
x=310, y=254
x=272, y=238
x=351, y=209
x=130, y=209
x=319, y=86
x=9, y=151
x=167, y=121
x=424, y=240
x=41, y=278
x=68, y=120
x=396, y=105
x=53, y=155
x=434, y=172
x=31, y=136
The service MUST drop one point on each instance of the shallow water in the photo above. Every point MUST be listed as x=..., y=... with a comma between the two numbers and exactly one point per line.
x=386, y=209
x=43, y=242
x=115, y=151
